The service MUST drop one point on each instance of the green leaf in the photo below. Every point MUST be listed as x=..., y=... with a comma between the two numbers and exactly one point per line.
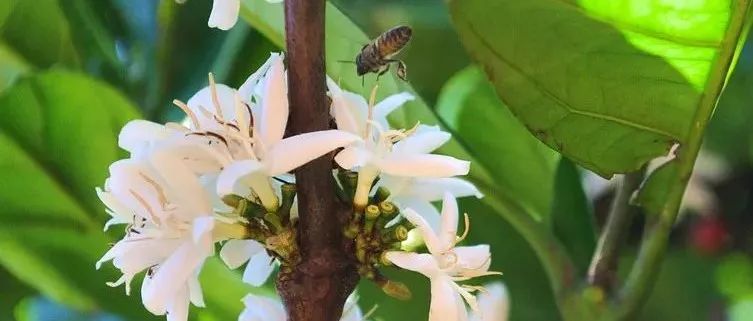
x=11, y=66
x=57, y=137
x=522, y=167
x=39, y=32
x=572, y=218
x=13, y=292
x=610, y=85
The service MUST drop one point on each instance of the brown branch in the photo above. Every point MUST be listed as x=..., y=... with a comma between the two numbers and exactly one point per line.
x=603, y=269
x=316, y=288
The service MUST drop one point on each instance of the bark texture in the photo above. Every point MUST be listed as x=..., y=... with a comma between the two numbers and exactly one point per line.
x=315, y=289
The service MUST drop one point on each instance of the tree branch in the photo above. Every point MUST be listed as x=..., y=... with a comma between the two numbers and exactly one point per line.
x=316, y=288
x=603, y=269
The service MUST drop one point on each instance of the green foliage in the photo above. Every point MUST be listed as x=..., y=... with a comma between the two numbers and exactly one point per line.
x=521, y=166
x=609, y=84
x=572, y=217
x=49, y=209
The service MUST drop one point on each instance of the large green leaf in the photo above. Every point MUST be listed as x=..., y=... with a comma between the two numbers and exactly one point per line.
x=523, y=168
x=610, y=84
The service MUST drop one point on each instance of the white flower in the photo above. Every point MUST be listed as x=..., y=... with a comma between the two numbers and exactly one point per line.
x=446, y=264
x=259, y=308
x=170, y=234
x=493, y=304
x=379, y=150
x=236, y=252
x=224, y=13
x=250, y=151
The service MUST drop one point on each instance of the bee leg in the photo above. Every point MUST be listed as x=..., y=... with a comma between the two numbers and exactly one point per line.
x=383, y=71
x=402, y=70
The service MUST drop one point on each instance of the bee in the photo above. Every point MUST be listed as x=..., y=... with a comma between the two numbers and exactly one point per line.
x=377, y=56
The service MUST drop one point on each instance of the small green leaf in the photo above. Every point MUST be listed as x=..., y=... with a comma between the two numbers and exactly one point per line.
x=572, y=218
x=522, y=167
x=654, y=193
x=610, y=85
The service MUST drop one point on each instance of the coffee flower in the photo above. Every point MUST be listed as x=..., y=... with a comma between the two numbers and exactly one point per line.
x=263, y=153
x=380, y=150
x=224, y=13
x=168, y=235
x=446, y=264
x=493, y=304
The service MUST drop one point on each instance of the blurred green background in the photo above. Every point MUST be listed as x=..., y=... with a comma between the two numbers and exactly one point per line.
x=73, y=71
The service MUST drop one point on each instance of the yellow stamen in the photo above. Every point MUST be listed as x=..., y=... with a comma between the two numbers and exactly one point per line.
x=189, y=113
x=467, y=229
x=369, y=118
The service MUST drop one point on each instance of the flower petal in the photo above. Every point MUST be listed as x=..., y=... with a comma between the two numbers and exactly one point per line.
x=138, y=134
x=388, y=105
x=247, y=89
x=423, y=165
x=177, y=310
x=428, y=189
x=235, y=172
x=259, y=269
x=186, y=189
x=352, y=157
x=430, y=237
x=236, y=252
x=195, y=293
x=172, y=276
x=423, y=208
x=446, y=303
x=494, y=303
x=473, y=260
x=201, y=227
x=297, y=150
x=259, y=308
x=422, y=263
x=348, y=109
x=449, y=229
x=425, y=140
x=271, y=116
x=224, y=14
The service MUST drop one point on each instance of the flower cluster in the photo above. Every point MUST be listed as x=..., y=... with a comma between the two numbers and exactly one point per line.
x=223, y=178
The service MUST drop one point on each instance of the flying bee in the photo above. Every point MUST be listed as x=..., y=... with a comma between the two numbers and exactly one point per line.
x=377, y=56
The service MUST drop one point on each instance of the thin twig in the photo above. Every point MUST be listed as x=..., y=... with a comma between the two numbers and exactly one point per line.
x=603, y=269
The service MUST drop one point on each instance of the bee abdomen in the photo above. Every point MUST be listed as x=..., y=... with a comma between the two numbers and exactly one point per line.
x=390, y=42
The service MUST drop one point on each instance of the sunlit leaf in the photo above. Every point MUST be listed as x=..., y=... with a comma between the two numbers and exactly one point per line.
x=609, y=84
